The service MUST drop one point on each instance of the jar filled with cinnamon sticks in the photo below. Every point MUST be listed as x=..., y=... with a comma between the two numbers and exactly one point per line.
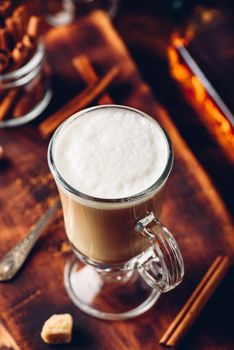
x=24, y=74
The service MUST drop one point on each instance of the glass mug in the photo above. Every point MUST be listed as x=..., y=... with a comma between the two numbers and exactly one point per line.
x=126, y=257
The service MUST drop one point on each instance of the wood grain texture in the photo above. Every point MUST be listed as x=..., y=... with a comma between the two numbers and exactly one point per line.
x=193, y=211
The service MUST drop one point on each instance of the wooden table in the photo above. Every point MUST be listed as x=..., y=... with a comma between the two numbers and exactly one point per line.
x=193, y=210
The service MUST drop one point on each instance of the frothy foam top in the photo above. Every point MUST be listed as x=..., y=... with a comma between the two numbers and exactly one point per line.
x=111, y=153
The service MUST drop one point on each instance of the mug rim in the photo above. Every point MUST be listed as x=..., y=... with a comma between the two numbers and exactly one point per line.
x=134, y=198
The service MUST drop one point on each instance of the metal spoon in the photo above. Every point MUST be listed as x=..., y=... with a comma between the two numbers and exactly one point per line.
x=14, y=259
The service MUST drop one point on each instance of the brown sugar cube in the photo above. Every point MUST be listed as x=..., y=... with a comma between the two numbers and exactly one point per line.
x=57, y=329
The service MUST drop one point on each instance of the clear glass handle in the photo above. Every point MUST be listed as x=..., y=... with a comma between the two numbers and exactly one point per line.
x=161, y=265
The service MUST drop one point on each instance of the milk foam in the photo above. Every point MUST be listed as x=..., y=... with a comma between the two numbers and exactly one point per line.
x=111, y=153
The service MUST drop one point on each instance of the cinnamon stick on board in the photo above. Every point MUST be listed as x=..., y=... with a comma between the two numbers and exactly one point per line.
x=6, y=339
x=79, y=102
x=196, y=302
x=83, y=66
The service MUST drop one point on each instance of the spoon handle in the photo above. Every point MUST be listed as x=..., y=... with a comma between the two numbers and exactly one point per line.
x=14, y=259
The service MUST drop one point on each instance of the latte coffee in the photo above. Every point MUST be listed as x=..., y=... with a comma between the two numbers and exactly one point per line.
x=108, y=161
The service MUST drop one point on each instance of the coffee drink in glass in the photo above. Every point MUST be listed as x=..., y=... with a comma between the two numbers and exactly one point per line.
x=110, y=164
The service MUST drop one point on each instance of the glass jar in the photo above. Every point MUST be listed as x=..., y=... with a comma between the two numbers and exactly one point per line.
x=25, y=92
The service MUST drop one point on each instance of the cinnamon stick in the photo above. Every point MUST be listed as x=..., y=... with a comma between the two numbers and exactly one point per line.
x=20, y=17
x=20, y=54
x=4, y=42
x=21, y=14
x=83, y=66
x=29, y=41
x=12, y=31
x=23, y=106
x=8, y=103
x=195, y=303
x=18, y=41
x=2, y=94
x=29, y=98
x=4, y=60
x=79, y=102
x=34, y=26
x=5, y=7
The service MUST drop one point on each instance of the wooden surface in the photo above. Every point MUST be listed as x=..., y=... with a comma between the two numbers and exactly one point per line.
x=193, y=210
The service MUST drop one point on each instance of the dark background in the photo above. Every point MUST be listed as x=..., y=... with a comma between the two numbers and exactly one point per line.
x=146, y=27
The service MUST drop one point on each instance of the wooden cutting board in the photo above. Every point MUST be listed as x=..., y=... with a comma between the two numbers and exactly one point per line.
x=193, y=210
